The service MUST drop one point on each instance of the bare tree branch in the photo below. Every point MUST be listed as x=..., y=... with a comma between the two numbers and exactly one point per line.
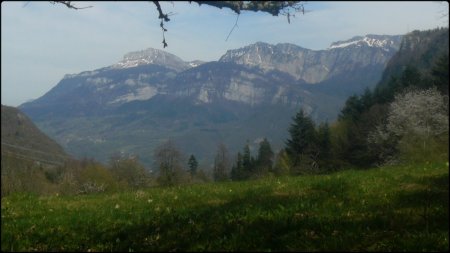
x=69, y=5
x=232, y=29
x=274, y=8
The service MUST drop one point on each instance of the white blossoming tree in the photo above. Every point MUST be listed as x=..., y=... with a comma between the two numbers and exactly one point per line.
x=417, y=124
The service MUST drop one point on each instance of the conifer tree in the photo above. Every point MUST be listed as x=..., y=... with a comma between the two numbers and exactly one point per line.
x=193, y=165
x=302, y=139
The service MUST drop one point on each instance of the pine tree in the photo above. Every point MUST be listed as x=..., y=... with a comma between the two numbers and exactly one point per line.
x=193, y=165
x=302, y=139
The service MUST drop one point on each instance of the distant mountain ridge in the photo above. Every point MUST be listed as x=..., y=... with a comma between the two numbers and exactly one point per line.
x=249, y=93
x=314, y=66
x=386, y=42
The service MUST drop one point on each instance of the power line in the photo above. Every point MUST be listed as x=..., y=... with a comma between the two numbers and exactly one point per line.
x=33, y=150
x=33, y=158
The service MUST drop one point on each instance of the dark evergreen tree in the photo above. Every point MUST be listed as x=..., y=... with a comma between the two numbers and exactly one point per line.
x=265, y=157
x=193, y=165
x=411, y=77
x=352, y=108
x=302, y=139
x=247, y=162
x=439, y=74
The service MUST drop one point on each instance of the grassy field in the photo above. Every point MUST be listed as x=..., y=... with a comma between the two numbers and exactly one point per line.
x=387, y=209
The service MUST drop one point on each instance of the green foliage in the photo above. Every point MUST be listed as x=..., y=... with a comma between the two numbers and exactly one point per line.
x=168, y=160
x=385, y=209
x=352, y=109
x=283, y=164
x=264, y=161
x=416, y=126
x=415, y=67
x=248, y=167
x=415, y=148
x=19, y=175
x=129, y=172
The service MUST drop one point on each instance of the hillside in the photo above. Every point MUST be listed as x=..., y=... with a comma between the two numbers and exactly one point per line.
x=384, y=209
x=420, y=49
x=23, y=140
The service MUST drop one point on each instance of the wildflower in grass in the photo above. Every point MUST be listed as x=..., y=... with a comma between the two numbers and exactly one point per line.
x=150, y=200
x=117, y=206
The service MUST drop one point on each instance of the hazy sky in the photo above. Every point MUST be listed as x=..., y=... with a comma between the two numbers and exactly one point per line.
x=41, y=42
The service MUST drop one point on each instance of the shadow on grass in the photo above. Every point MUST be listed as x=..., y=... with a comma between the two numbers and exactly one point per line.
x=262, y=220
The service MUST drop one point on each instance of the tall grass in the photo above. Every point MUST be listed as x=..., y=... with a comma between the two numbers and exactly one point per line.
x=385, y=209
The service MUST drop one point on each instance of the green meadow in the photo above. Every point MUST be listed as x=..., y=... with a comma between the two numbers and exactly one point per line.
x=392, y=208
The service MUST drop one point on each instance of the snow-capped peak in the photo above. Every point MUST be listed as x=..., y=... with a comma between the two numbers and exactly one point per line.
x=150, y=56
x=368, y=40
x=146, y=56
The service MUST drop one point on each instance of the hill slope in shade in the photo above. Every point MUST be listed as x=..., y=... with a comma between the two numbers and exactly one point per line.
x=23, y=140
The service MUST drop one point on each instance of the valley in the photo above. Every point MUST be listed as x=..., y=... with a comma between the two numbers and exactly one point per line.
x=248, y=94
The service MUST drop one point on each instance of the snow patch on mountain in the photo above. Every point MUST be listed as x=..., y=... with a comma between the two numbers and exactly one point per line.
x=152, y=56
x=371, y=41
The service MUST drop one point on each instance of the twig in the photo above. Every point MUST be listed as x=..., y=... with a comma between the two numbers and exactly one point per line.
x=69, y=5
x=164, y=18
x=232, y=29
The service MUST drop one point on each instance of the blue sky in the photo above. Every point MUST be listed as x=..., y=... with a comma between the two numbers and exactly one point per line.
x=41, y=42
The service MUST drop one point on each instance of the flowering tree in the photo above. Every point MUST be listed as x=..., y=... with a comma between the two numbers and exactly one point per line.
x=418, y=116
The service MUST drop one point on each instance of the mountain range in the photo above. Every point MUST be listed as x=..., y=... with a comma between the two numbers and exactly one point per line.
x=249, y=93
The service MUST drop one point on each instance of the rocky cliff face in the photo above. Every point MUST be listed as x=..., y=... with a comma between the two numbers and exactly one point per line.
x=317, y=66
x=250, y=93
